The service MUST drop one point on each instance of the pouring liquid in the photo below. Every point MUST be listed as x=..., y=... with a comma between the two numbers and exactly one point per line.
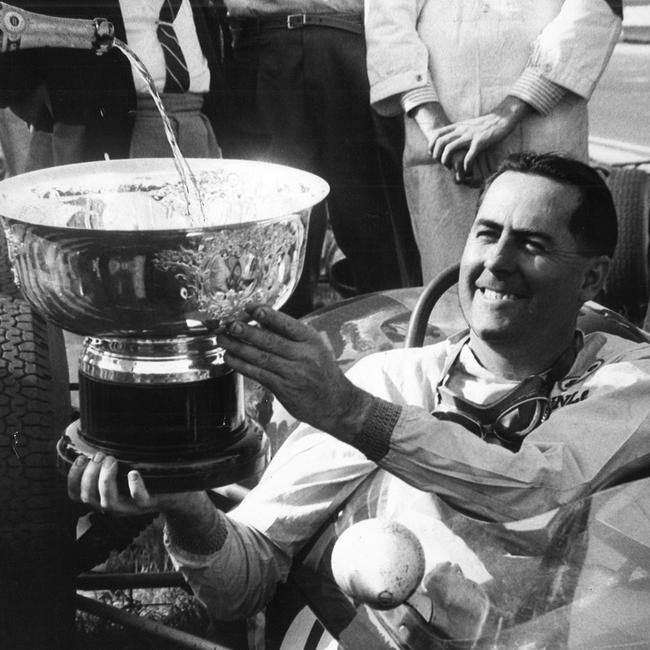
x=188, y=180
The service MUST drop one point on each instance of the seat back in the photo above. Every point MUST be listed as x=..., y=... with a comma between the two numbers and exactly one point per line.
x=628, y=282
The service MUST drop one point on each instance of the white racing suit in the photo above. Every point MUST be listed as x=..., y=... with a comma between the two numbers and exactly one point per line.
x=599, y=426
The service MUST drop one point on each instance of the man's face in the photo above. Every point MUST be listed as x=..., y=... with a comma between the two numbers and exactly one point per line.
x=521, y=276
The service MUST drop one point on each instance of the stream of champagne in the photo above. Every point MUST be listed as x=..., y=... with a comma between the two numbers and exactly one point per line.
x=189, y=184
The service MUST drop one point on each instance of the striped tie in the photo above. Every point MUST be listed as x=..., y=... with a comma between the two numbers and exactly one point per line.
x=178, y=76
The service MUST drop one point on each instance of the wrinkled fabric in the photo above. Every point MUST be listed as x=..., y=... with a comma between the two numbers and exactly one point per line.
x=469, y=48
x=600, y=425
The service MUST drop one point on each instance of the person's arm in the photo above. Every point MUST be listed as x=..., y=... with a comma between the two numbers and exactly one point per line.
x=233, y=569
x=221, y=559
x=397, y=59
x=308, y=479
x=400, y=80
x=234, y=562
x=230, y=566
x=428, y=113
x=573, y=50
x=574, y=451
x=561, y=459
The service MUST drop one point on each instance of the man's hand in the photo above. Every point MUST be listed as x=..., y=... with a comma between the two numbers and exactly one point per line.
x=475, y=135
x=94, y=481
x=298, y=367
x=193, y=521
x=432, y=119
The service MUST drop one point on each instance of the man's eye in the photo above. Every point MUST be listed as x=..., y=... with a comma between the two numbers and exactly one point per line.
x=535, y=247
x=486, y=234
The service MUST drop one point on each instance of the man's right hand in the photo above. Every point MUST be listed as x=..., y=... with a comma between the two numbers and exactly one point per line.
x=94, y=481
x=294, y=362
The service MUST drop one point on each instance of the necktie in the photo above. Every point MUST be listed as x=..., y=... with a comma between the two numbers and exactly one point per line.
x=178, y=77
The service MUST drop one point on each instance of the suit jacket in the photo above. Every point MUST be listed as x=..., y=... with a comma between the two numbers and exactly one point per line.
x=97, y=91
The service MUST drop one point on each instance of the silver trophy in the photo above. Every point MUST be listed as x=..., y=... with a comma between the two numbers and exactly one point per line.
x=108, y=250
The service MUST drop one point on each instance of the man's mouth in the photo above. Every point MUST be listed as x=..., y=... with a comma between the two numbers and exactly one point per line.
x=496, y=296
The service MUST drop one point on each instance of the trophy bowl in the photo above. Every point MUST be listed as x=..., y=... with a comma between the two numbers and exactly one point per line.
x=108, y=249
x=111, y=251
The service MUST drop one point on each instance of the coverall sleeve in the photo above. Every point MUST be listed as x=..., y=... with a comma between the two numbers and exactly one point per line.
x=572, y=51
x=566, y=457
x=397, y=59
x=575, y=47
x=311, y=475
x=600, y=428
x=237, y=580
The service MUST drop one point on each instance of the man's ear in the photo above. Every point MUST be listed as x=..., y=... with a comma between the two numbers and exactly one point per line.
x=595, y=276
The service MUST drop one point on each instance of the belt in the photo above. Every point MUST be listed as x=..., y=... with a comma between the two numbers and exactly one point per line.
x=173, y=103
x=347, y=22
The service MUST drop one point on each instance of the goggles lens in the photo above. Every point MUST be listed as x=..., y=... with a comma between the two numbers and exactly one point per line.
x=519, y=420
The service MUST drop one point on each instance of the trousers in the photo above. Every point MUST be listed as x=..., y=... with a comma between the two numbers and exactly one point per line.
x=66, y=143
x=191, y=127
x=300, y=97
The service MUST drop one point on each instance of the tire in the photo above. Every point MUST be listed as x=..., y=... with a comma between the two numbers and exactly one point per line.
x=37, y=522
x=7, y=285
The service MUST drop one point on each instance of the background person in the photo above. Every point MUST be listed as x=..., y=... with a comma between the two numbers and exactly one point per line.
x=91, y=108
x=14, y=143
x=539, y=247
x=477, y=81
x=298, y=95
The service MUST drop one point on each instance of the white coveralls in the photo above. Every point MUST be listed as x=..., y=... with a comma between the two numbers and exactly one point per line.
x=468, y=55
x=600, y=424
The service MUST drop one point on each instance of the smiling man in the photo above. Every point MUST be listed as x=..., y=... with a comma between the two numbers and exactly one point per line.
x=469, y=420
x=539, y=247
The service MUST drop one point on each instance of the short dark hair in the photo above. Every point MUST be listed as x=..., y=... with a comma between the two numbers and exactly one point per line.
x=593, y=223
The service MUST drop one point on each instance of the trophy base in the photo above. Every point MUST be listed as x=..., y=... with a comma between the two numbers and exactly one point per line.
x=243, y=460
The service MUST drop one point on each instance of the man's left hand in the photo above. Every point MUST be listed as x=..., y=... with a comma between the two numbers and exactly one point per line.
x=297, y=365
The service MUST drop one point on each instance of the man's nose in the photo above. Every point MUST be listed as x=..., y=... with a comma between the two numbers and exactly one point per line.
x=502, y=255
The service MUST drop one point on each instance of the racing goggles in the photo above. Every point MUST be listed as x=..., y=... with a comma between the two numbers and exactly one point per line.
x=514, y=415
x=509, y=419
